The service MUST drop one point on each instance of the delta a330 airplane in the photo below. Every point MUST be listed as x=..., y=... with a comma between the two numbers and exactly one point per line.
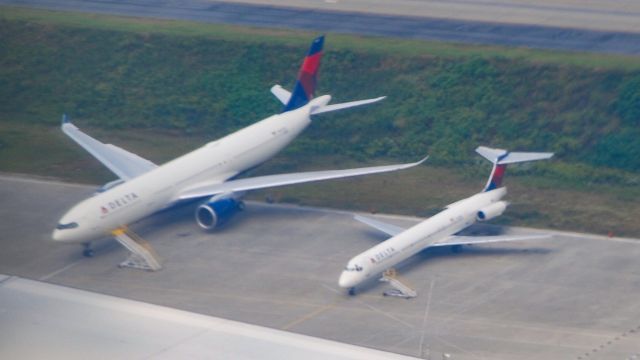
x=440, y=229
x=208, y=173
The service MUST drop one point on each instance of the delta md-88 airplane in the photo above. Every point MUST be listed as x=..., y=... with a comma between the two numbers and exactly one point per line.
x=208, y=174
x=440, y=229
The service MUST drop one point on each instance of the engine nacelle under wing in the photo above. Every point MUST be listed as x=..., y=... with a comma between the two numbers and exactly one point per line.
x=492, y=211
x=217, y=211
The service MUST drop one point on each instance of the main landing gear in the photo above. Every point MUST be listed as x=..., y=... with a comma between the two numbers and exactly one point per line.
x=87, y=251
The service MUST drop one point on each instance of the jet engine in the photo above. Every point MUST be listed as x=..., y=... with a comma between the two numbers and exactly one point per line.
x=491, y=211
x=217, y=210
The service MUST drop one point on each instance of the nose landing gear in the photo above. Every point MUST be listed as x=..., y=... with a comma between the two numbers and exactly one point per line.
x=87, y=251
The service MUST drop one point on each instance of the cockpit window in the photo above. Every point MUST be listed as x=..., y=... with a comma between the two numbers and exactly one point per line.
x=72, y=225
x=353, y=268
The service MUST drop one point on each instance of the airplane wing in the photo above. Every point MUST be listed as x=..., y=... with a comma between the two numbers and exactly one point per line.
x=124, y=164
x=261, y=182
x=469, y=240
x=134, y=329
x=391, y=230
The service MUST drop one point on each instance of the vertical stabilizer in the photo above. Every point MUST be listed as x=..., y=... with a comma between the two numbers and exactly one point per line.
x=307, y=77
x=500, y=158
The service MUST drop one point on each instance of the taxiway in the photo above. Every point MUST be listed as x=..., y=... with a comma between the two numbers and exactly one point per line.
x=595, y=26
x=570, y=297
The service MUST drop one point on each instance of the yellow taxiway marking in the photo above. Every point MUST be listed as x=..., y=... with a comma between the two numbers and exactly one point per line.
x=308, y=316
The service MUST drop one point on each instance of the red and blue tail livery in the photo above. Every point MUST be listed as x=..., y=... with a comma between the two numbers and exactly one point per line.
x=500, y=158
x=307, y=77
x=303, y=92
x=495, y=180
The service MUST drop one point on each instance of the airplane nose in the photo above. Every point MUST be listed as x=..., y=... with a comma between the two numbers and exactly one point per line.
x=61, y=236
x=346, y=280
x=56, y=236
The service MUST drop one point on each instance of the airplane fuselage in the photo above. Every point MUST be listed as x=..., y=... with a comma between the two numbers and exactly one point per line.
x=148, y=193
x=387, y=254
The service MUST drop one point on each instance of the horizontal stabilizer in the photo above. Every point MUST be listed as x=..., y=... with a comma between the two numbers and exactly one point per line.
x=389, y=229
x=469, y=240
x=262, y=182
x=516, y=157
x=124, y=164
x=501, y=156
x=341, y=106
x=281, y=93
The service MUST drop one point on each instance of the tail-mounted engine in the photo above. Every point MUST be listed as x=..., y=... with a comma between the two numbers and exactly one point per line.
x=491, y=211
x=218, y=210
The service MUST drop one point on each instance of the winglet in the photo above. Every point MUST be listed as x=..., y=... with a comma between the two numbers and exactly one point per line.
x=307, y=77
x=500, y=158
x=65, y=119
x=422, y=160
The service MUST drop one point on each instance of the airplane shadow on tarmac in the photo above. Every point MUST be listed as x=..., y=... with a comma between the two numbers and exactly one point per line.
x=185, y=214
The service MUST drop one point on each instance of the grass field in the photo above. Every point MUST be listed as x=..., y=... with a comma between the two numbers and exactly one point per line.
x=160, y=88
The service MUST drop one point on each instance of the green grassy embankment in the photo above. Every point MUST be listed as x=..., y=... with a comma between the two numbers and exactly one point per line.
x=160, y=88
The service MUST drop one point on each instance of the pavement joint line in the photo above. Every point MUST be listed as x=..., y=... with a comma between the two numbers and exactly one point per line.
x=403, y=341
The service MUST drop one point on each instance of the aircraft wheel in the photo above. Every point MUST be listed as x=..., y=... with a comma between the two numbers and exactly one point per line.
x=88, y=251
x=352, y=291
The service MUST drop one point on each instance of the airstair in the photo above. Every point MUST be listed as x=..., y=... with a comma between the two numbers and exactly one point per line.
x=400, y=289
x=142, y=254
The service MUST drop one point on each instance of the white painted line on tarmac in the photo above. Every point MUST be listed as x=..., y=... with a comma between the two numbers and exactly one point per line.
x=424, y=318
x=371, y=307
x=49, y=276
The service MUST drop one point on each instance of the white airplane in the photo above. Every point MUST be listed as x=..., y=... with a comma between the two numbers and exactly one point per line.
x=440, y=229
x=208, y=174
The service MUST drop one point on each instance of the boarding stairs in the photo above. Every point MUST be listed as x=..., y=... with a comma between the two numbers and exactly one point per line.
x=400, y=288
x=142, y=254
